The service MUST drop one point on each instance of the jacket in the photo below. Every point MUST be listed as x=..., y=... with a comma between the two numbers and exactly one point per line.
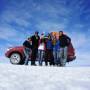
x=35, y=41
x=49, y=44
x=64, y=40
x=27, y=44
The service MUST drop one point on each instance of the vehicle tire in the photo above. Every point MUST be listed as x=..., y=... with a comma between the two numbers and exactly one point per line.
x=15, y=58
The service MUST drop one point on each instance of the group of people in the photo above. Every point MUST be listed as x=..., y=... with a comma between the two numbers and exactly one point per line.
x=48, y=48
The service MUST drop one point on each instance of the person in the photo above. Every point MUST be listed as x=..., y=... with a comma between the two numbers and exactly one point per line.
x=27, y=49
x=64, y=42
x=41, y=49
x=35, y=43
x=49, y=51
x=56, y=50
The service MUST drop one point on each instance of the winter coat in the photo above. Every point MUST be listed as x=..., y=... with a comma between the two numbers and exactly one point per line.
x=35, y=41
x=27, y=44
x=64, y=40
x=49, y=44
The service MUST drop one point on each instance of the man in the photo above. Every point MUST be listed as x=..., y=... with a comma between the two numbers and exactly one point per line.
x=35, y=43
x=64, y=42
x=27, y=49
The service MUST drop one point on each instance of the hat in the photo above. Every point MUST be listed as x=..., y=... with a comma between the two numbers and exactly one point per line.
x=42, y=33
x=36, y=32
x=60, y=31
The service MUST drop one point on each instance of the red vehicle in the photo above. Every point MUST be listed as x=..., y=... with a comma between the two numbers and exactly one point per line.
x=16, y=54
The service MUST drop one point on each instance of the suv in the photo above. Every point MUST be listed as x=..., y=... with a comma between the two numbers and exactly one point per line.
x=16, y=54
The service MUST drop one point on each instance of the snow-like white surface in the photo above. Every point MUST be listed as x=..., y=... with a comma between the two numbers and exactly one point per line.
x=15, y=77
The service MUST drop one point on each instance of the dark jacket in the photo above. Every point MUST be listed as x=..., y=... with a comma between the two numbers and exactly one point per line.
x=64, y=40
x=49, y=45
x=27, y=44
x=35, y=41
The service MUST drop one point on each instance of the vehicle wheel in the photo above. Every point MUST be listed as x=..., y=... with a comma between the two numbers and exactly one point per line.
x=15, y=58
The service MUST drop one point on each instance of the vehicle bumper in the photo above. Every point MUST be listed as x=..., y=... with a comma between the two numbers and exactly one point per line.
x=71, y=58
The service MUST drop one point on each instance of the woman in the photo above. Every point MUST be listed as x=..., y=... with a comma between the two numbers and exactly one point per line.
x=56, y=50
x=49, y=51
x=41, y=49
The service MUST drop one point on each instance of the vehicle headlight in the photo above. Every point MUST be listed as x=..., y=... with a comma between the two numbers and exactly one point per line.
x=9, y=49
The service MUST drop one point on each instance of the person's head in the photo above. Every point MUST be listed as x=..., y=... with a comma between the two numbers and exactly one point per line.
x=42, y=35
x=49, y=36
x=60, y=33
x=36, y=33
x=29, y=39
x=54, y=36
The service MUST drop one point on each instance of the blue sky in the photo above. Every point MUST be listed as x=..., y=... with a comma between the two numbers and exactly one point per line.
x=20, y=18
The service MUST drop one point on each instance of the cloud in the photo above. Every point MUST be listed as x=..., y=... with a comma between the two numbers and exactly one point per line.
x=7, y=33
x=79, y=39
x=12, y=36
x=11, y=16
x=50, y=26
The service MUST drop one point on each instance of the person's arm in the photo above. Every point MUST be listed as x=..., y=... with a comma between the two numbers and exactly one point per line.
x=25, y=44
x=39, y=41
x=30, y=46
x=68, y=38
